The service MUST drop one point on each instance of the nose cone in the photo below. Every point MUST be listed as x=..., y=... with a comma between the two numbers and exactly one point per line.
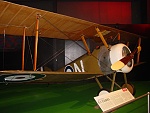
x=118, y=52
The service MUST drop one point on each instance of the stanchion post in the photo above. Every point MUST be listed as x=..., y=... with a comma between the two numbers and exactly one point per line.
x=148, y=103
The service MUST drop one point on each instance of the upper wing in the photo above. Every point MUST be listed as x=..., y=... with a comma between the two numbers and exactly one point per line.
x=14, y=18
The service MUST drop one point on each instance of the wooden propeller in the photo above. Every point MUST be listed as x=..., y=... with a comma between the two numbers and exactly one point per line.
x=122, y=62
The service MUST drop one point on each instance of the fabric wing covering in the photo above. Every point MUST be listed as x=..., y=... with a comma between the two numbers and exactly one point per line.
x=14, y=18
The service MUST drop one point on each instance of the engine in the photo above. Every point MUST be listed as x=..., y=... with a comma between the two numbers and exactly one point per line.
x=108, y=57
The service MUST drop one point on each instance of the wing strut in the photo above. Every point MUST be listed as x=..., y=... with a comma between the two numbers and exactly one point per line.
x=85, y=44
x=36, y=41
x=23, y=47
x=102, y=38
x=139, y=49
x=113, y=82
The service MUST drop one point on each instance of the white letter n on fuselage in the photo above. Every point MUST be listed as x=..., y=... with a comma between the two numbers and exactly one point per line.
x=77, y=69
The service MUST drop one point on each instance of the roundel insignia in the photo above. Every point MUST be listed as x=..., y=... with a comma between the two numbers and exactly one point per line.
x=20, y=77
x=68, y=68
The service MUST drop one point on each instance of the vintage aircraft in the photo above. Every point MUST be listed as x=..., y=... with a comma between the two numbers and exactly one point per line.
x=104, y=60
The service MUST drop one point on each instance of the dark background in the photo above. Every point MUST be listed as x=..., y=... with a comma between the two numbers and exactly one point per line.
x=128, y=15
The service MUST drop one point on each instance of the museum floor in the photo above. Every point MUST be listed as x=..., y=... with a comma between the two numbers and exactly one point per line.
x=63, y=98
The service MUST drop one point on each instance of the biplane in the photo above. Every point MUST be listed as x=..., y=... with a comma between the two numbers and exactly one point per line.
x=106, y=59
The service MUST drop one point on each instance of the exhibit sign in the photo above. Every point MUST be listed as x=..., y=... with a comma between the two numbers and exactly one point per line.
x=113, y=99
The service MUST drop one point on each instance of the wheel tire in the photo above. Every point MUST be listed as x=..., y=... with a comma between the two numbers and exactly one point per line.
x=130, y=87
x=102, y=92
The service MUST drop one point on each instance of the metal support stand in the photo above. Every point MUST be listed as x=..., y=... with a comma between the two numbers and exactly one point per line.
x=148, y=102
x=119, y=106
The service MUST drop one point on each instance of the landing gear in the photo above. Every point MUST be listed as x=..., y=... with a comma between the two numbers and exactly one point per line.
x=101, y=92
x=130, y=87
x=127, y=85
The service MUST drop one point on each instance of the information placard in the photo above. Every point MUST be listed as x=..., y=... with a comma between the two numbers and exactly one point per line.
x=113, y=99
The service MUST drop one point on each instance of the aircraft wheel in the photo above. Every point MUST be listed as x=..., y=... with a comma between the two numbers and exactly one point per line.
x=130, y=87
x=102, y=92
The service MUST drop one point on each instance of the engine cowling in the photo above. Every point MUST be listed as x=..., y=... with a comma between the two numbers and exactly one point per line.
x=108, y=57
x=118, y=52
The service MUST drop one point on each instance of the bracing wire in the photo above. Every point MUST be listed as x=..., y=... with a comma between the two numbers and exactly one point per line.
x=66, y=35
x=62, y=50
x=29, y=43
x=55, y=55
